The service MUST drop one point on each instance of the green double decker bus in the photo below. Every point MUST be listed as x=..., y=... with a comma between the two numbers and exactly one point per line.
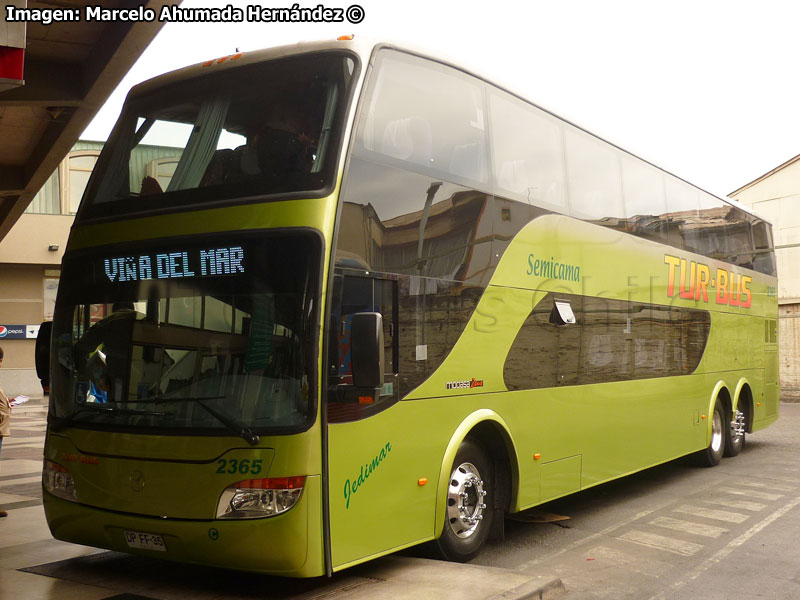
x=324, y=302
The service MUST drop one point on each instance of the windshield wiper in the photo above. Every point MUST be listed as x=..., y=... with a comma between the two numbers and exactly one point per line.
x=63, y=422
x=232, y=424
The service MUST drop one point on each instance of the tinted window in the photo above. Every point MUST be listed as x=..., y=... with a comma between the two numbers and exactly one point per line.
x=644, y=200
x=432, y=317
x=427, y=115
x=194, y=334
x=356, y=294
x=421, y=325
x=764, y=255
x=412, y=211
x=723, y=232
x=681, y=213
x=593, y=173
x=526, y=152
x=612, y=340
x=395, y=220
x=261, y=129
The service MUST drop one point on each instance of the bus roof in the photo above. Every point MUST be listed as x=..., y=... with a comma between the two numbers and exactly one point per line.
x=240, y=59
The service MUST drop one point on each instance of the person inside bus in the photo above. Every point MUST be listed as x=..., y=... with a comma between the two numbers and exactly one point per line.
x=219, y=169
x=283, y=143
x=150, y=186
x=102, y=352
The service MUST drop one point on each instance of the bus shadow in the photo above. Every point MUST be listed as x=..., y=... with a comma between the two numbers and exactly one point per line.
x=540, y=521
x=142, y=577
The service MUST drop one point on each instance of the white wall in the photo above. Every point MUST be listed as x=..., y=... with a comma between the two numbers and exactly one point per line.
x=16, y=382
x=777, y=198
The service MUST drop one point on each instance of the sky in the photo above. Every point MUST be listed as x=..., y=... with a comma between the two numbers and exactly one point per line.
x=706, y=89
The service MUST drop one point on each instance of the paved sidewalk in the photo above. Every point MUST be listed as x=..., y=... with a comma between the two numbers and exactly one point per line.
x=35, y=566
x=21, y=457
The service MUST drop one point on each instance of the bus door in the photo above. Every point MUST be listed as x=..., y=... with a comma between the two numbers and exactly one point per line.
x=369, y=510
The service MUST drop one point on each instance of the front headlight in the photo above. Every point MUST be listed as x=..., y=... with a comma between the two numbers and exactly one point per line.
x=255, y=498
x=58, y=481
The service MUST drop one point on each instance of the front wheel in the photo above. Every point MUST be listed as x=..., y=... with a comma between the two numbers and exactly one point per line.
x=468, y=513
x=711, y=456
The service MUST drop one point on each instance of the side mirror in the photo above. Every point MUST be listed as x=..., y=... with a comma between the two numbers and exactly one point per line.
x=42, y=355
x=366, y=347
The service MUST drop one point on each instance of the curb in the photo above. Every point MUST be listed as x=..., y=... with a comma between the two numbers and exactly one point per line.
x=538, y=588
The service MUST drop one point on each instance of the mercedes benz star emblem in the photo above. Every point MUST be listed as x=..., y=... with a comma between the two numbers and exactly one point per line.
x=137, y=481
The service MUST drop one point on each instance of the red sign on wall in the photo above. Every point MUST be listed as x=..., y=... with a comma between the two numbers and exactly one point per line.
x=12, y=61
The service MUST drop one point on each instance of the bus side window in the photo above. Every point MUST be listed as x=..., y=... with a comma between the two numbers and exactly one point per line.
x=352, y=295
x=764, y=260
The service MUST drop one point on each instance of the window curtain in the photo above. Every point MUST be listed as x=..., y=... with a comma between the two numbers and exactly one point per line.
x=201, y=145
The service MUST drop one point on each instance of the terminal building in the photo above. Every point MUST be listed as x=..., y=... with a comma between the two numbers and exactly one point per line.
x=31, y=253
x=53, y=80
x=776, y=196
x=30, y=264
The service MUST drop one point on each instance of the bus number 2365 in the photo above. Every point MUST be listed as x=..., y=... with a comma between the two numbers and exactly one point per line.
x=239, y=466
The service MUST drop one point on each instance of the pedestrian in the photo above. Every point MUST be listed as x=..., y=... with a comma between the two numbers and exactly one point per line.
x=5, y=419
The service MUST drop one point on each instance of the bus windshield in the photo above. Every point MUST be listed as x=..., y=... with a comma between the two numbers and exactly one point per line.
x=204, y=335
x=271, y=128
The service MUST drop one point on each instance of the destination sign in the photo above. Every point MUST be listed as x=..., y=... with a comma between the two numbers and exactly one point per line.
x=210, y=262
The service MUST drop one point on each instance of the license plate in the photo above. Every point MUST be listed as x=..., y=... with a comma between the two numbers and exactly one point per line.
x=145, y=541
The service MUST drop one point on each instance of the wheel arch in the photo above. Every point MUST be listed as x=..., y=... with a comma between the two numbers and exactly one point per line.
x=492, y=432
x=722, y=392
x=743, y=400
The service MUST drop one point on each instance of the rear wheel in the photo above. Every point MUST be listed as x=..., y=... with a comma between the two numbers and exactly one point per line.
x=734, y=442
x=711, y=456
x=468, y=513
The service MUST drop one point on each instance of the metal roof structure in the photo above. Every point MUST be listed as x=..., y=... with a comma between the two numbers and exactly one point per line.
x=70, y=69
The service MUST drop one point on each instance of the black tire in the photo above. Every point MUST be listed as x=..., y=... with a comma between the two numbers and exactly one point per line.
x=463, y=536
x=42, y=355
x=720, y=430
x=733, y=442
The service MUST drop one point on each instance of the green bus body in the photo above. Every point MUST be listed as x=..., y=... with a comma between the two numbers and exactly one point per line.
x=478, y=351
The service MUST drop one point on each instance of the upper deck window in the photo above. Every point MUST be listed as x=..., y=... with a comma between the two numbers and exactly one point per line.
x=426, y=117
x=262, y=129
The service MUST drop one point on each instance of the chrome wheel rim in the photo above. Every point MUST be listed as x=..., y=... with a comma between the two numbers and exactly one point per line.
x=716, y=432
x=465, y=495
